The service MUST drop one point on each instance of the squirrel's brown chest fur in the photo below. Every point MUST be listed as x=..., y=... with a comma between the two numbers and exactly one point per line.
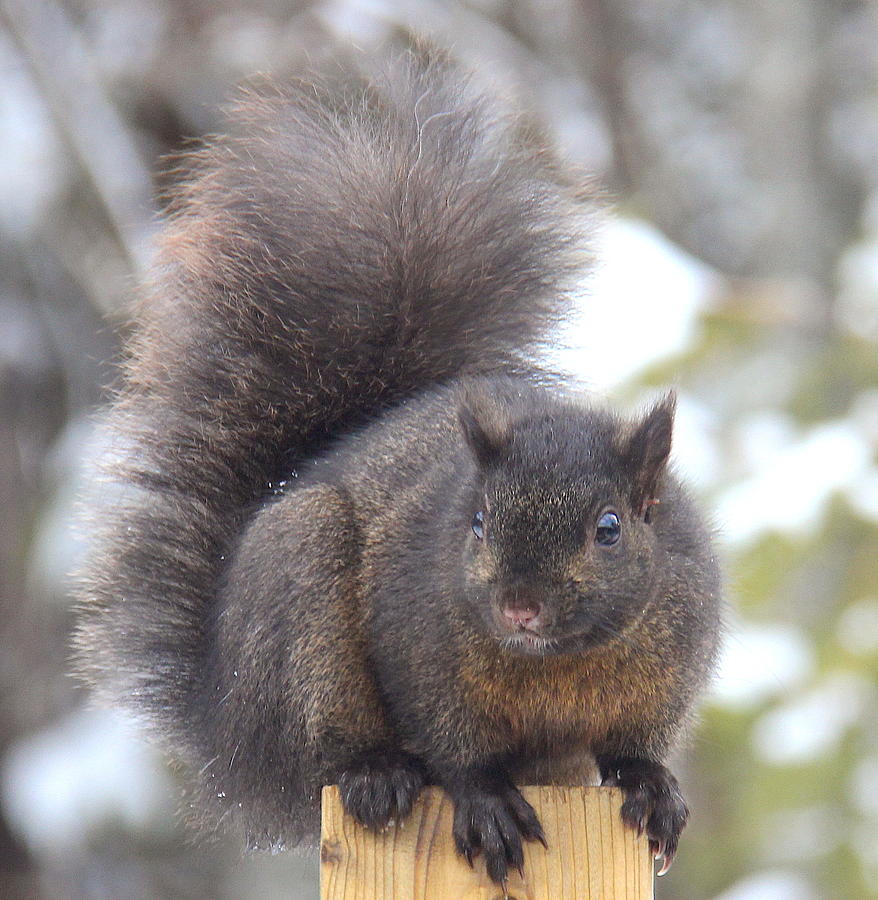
x=557, y=704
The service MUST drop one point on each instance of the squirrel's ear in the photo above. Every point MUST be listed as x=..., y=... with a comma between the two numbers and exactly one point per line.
x=485, y=426
x=647, y=452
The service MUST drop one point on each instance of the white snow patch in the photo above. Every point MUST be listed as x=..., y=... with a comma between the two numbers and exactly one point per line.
x=696, y=452
x=642, y=305
x=811, y=725
x=759, y=662
x=88, y=771
x=790, y=490
x=774, y=884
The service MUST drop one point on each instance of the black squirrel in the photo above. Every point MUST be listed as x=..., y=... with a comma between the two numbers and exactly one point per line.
x=367, y=538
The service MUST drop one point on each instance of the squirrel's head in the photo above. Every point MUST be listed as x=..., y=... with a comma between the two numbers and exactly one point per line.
x=560, y=527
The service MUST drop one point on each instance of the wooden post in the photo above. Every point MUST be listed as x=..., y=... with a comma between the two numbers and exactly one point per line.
x=591, y=854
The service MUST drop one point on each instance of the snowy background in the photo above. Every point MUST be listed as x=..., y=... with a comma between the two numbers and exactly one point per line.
x=739, y=143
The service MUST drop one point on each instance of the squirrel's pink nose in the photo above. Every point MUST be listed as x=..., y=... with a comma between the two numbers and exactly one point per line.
x=522, y=617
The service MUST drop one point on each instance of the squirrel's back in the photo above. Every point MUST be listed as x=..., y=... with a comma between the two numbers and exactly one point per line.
x=341, y=249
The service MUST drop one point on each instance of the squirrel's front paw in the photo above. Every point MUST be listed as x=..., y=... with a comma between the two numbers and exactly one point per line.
x=493, y=820
x=380, y=786
x=653, y=802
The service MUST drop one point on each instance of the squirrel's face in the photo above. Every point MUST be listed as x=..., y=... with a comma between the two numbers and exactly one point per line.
x=560, y=552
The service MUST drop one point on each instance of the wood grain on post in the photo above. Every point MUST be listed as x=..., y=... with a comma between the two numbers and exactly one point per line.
x=591, y=854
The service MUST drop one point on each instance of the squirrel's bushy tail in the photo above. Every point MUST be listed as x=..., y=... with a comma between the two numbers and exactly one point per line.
x=338, y=251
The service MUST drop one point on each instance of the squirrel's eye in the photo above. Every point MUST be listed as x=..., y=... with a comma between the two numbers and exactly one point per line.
x=479, y=525
x=609, y=529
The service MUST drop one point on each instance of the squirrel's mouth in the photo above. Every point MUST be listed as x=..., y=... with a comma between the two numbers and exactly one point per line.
x=528, y=642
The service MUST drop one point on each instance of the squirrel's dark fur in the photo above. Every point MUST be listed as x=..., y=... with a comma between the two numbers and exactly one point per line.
x=363, y=539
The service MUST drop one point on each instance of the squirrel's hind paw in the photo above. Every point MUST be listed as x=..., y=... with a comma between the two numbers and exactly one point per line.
x=380, y=786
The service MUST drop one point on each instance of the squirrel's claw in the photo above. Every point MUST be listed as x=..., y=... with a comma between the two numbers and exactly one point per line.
x=668, y=862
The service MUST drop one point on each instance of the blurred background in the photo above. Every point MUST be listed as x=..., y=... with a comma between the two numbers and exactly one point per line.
x=738, y=141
